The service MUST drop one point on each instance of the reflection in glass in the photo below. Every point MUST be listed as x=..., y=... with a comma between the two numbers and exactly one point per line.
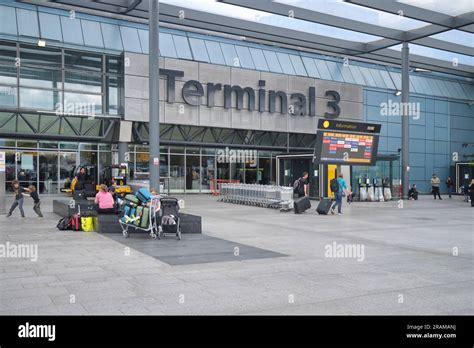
x=39, y=99
x=48, y=172
x=82, y=60
x=40, y=78
x=177, y=173
x=91, y=83
x=193, y=174
x=207, y=172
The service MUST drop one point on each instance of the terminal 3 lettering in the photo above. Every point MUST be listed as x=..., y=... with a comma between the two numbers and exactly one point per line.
x=193, y=91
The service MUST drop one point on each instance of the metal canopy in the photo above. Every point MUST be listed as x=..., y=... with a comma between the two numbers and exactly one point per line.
x=385, y=47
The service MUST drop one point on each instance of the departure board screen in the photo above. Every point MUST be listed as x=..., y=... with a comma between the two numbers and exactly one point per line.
x=350, y=148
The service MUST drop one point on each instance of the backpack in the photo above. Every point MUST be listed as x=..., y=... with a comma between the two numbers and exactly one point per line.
x=64, y=224
x=334, y=185
x=296, y=185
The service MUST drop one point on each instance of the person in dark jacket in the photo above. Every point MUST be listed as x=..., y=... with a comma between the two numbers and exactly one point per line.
x=302, y=189
x=18, y=202
x=80, y=180
x=450, y=186
x=413, y=193
x=471, y=192
x=36, y=201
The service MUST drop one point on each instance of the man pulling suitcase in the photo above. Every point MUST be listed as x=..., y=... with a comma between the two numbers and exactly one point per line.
x=300, y=186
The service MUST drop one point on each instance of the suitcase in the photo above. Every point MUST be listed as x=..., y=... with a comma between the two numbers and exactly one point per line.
x=301, y=205
x=143, y=195
x=129, y=212
x=87, y=223
x=132, y=199
x=324, y=206
x=145, y=219
x=140, y=214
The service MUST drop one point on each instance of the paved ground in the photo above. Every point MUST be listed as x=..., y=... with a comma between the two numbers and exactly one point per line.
x=407, y=266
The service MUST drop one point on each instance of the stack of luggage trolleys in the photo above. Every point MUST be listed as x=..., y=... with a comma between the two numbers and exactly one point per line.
x=157, y=215
x=268, y=196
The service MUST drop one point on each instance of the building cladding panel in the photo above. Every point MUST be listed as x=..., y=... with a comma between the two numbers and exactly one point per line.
x=136, y=100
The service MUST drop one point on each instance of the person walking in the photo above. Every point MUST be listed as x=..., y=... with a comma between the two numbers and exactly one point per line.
x=18, y=202
x=450, y=186
x=301, y=186
x=471, y=192
x=435, y=186
x=339, y=191
x=36, y=201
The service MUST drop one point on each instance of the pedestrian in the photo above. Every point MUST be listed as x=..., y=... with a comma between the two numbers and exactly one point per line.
x=36, y=201
x=450, y=186
x=471, y=192
x=18, y=202
x=435, y=186
x=339, y=187
x=300, y=186
x=465, y=190
x=413, y=193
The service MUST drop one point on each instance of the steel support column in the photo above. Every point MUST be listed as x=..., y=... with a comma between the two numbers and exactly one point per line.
x=154, y=66
x=405, y=118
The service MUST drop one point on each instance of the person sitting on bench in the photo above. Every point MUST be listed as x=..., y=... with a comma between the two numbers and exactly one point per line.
x=105, y=201
x=413, y=193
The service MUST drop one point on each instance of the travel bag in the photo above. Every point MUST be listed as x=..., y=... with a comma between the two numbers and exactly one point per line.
x=324, y=206
x=143, y=195
x=87, y=223
x=302, y=204
x=139, y=213
x=131, y=198
x=145, y=218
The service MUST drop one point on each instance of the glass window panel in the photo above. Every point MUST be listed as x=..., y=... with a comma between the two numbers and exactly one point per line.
x=7, y=53
x=39, y=99
x=386, y=78
x=167, y=46
x=346, y=73
x=92, y=33
x=131, y=41
x=27, y=22
x=244, y=57
x=215, y=52
x=177, y=173
x=112, y=38
x=426, y=86
x=397, y=79
x=77, y=81
x=199, y=50
x=50, y=26
x=434, y=87
x=72, y=30
x=230, y=55
x=40, y=78
x=442, y=87
x=114, y=65
x=272, y=61
x=8, y=75
x=334, y=71
x=311, y=67
x=40, y=56
x=8, y=96
x=369, y=80
x=458, y=91
x=83, y=104
x=8, y=20
x=285, y=63
x=259, y=59
x=82, y=60
x=323, y=69
x=113, y=99
x=419, y=88
x=298, y=65
x=143, y=36
x=356, y=74
x=182, y=47
x=378, y=78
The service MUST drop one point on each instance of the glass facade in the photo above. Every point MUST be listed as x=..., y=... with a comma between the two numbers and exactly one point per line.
x=60, y=80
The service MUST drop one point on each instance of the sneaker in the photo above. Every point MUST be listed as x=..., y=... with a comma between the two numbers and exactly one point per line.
x=339, y=214
x=332, y=211
x=9, y=214
x=23, y=217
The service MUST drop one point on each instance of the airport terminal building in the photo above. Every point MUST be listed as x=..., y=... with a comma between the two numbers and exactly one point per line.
x=74, y=91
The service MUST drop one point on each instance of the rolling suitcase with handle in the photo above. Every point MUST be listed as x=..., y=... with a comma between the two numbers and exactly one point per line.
x=302, y=204
x=324, y=206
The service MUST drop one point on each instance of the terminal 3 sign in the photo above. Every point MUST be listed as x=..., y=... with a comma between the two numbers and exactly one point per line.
x=297, y=104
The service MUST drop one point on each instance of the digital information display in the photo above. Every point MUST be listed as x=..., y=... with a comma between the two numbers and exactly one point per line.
x=350, y=148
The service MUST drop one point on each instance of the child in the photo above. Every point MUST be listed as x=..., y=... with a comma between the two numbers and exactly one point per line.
x=36, y=201
x=18, y=192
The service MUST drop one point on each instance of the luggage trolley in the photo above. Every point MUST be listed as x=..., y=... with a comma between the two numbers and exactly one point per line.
x=136, y=221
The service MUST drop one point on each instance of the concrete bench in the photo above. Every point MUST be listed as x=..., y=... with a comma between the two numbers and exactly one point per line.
x=63, y=208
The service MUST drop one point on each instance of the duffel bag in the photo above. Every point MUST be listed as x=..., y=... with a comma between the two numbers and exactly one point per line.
x=87, y=223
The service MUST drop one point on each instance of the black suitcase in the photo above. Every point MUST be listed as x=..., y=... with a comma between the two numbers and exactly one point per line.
x=301, y=205
x=324, y=206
